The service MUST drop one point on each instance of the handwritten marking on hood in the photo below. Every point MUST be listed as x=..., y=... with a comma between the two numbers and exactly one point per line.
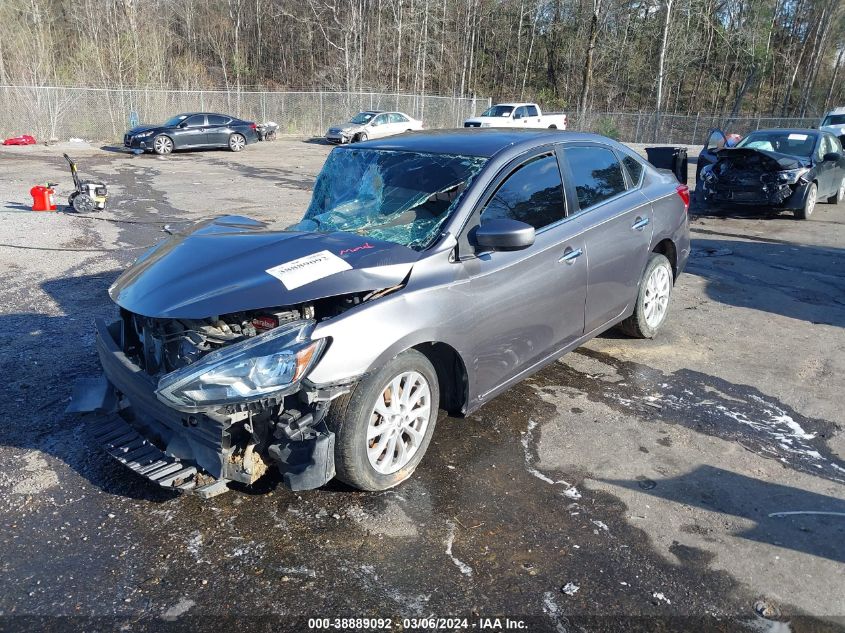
x=347, y=251
x=304, y=270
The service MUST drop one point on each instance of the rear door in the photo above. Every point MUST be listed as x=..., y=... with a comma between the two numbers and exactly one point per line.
x=530, y=302
x=618, y=227
x=191, y=132
x=218, y=130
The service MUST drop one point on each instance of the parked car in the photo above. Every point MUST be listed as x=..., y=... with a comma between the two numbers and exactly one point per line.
x=430, y=271
x=527, y=115
x=372, y=124
x=834, y=122
x=778, y=168
x=192, y=130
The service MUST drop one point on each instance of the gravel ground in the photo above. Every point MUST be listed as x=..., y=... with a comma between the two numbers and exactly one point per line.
x=633, y=485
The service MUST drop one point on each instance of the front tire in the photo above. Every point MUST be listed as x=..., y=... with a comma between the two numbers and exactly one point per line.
x=810, y=197
x=839, y=195
x=237, y=142
x=162, y=145
x=384, y=426
x=359, y=138
x=653, y=299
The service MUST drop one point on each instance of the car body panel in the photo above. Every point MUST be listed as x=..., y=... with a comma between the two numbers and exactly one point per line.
x=195, y=130
x=503, y=314
x=749, y=176
x=380, y=125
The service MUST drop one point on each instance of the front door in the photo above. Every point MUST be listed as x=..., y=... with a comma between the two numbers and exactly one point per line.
x=191, y=132
x=530, y=302
x=826, y=171
x=716, y=140
x=618, y=231
x=379, y=127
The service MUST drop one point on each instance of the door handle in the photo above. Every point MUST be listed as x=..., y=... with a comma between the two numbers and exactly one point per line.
x=570, y=255
x=640, y=224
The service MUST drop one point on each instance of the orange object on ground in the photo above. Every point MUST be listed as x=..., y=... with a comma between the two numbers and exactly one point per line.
x=42, y=198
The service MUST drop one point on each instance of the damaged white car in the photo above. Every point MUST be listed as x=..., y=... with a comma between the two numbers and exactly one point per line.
x=430, y=272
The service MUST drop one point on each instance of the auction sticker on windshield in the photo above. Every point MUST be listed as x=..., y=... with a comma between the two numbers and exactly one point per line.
x=797, y=137
x=304, y=270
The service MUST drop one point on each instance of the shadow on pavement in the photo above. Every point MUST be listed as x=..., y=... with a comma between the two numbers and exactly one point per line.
x=817, y=528
x=792, y=280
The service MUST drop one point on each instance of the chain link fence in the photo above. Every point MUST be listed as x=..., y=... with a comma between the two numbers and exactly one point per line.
x=674, y=129
x=105, y=113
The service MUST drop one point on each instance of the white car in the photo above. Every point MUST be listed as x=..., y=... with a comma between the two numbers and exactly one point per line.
x=527, y=115
x=372, y=124
x=834, y=122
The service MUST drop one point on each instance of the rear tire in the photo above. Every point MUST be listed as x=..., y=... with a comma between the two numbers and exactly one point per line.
x=810, y=197
x=839, y=195
x=237, y=142
x=652, y=305
x=366, y=454
x=552, y=127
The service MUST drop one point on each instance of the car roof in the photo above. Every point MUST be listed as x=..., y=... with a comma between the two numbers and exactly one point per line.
x=482, y=142
x=790, y=130
x=187, y=114
x=839, y=110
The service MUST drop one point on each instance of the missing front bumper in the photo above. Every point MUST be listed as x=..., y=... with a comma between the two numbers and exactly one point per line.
x=198, y=452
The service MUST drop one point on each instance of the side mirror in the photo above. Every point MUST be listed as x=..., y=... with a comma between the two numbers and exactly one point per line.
x=504, y=235
x=832, y=157
x=183, y=125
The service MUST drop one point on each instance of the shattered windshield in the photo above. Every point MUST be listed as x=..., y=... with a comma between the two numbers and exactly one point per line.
x=498, y=110
x=793, y=143
x=361, y=118
x=400, y=197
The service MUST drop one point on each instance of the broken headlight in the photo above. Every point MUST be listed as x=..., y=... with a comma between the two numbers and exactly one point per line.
x=791, y=176
x=261, y=366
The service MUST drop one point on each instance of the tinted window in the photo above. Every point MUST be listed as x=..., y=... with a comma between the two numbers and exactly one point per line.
x=596, y=174
x=532, y=110
x=195, y=121
x=216, y=119
x=635, y=169
x=532, y=194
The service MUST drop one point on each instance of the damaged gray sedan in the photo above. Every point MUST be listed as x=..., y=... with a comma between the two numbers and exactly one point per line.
x=430, y=271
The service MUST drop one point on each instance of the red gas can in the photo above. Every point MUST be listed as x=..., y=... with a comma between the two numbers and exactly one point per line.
x=42, y=198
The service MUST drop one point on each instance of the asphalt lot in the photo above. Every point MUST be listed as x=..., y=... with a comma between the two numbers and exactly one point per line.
x=644, y=473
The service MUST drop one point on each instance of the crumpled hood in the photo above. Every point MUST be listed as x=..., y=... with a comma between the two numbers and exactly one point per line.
x=221, y=266
x=141, y=128
x=775, y=159
x=348, y=127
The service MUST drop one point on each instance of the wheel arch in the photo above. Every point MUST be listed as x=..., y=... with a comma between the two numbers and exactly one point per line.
x=451, y=374
x=667, y=248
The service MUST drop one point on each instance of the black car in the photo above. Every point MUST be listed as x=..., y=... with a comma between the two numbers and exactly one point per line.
x=779, y=168
x=192, y=130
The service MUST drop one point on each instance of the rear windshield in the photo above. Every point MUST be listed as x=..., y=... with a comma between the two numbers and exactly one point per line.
x=782, y=141
x=498, y=110
x=401, y=197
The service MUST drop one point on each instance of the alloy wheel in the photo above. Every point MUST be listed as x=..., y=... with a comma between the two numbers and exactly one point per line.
x=811, y=201
x=237, y=142
x=398, y=422
x=657, y=290
x=163, y=145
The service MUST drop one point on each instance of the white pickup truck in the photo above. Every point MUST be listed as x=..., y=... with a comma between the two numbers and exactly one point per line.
x=517, y=115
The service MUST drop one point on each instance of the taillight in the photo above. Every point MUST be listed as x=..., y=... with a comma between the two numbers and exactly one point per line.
x=253, y=126
x=683, y=191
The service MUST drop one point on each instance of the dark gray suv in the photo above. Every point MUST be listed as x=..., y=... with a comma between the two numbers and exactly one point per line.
x=431, y=271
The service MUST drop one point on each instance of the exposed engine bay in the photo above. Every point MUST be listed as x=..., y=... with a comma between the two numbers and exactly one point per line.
x=747, y=176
